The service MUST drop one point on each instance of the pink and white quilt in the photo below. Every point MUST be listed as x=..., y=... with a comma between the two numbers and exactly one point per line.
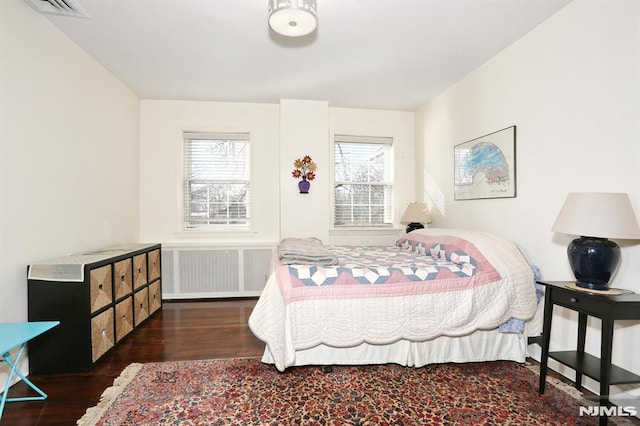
x=433, y=282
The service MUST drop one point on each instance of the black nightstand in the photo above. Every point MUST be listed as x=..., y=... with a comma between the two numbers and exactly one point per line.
x=608, y=309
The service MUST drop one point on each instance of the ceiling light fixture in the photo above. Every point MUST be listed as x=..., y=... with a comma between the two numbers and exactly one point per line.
x=293, y=18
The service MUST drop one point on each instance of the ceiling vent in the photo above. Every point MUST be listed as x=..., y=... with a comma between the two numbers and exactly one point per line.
x=59, y=7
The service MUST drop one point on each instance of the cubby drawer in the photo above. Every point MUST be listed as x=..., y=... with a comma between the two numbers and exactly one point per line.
x=101, y=334
x=139, y=270
x=154, y=264
x=155, y=296
x=122, y=275
x=101, y=293
x=124, y=318
x=141, y=305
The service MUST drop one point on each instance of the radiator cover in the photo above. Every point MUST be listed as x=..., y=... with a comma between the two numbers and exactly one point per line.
x=214, y=272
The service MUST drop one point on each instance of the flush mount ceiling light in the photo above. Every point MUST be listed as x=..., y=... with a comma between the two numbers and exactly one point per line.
x=293, y=18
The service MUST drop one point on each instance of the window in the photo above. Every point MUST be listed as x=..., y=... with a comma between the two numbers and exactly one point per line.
x=363, y=181
x=216, y=180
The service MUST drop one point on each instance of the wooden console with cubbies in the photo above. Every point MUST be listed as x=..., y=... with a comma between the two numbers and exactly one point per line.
x=99, y=298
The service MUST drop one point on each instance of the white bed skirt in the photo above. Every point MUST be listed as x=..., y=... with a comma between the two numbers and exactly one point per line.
x=482, y=345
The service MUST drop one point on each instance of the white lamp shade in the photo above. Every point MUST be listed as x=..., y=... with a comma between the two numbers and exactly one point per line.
x=597, y=214
x=293, y=18
x=416, y=213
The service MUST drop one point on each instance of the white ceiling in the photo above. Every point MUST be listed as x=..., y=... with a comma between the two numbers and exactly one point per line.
x=379, y=54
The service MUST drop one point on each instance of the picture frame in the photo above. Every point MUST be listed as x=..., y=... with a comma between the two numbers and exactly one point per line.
x=485, y=167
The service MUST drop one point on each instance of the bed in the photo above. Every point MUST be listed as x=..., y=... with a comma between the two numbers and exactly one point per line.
x=436, y=296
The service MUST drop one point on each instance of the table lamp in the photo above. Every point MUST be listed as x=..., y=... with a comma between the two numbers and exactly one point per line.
x=595, y=217
x=416, y=215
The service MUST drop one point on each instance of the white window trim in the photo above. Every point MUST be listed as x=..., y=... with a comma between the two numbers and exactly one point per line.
x=222, y=231
x=351, y=229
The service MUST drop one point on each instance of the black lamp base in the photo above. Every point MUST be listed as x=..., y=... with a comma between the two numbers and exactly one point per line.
x=594, y=261
x=413, y=226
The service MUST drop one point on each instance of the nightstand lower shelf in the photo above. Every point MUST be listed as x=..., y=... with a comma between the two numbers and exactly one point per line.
x=590, y=366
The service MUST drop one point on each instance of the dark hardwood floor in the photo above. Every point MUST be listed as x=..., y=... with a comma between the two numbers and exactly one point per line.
x=180, y=331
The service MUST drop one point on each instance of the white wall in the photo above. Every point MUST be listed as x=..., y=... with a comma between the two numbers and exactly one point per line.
x=304, y=130
x=279, y=135
x=399, y=126
x=572, y=88
x=69, y=152
x=161, y=127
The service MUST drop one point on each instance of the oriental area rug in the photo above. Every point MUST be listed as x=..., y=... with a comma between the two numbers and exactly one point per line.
x=244, y=391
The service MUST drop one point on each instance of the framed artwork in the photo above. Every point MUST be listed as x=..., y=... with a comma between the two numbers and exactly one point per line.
x=485, y=167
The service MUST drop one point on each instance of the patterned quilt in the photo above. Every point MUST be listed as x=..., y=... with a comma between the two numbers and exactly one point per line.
x=385, y=264
x=431, y=283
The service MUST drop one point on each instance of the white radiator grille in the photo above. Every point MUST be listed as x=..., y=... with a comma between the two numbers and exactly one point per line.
x=210, y=272
x=254, y=270
x=167, y=271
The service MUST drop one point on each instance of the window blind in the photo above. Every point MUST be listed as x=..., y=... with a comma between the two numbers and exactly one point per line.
x=216, y=179
x=363, y=181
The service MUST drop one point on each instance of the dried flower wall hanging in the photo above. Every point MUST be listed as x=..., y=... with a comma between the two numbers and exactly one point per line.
x=304, y=169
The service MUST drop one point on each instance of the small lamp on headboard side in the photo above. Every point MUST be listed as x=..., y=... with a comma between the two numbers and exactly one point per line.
x=416, y=215
x=595, y=217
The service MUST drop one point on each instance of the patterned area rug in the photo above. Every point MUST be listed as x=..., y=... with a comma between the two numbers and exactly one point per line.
x=243, y=391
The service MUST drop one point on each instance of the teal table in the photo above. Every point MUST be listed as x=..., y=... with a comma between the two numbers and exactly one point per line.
x=13, y=335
